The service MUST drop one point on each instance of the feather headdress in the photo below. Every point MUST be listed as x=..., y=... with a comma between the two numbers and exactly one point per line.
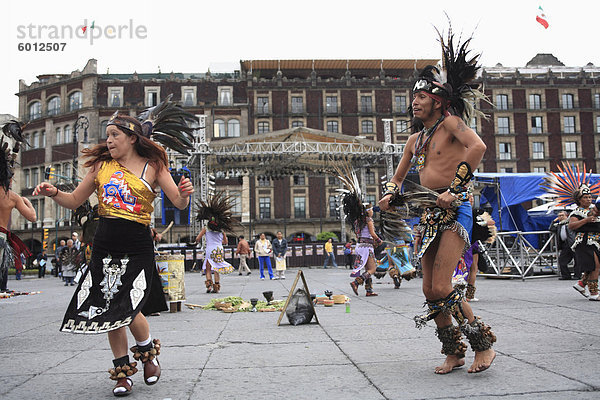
x=351, y=198
x=450, y=82
x=166, y=123
x=570, y=185
x=217, y=211
x=10, y=144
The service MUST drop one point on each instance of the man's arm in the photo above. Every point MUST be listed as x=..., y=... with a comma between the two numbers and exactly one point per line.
x=23, y=205
x=401, y=170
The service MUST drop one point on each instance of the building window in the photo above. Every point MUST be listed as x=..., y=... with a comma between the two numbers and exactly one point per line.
x=75, y=101
x=297, y=105
x=35, y=177
x=569, y=124
x=536, y=125
x=400, y=104
x=26, y=178
x=115, y=97
x=331, y=104
x=538, y=151
x=401, y=126
x=333, y=207
x=43, y=139
x=506, y=170
x=597, y=100
x=297, y=124
x=332, y=126
x=598, y=124
x=370, y=178
x=219, y=128
x=504, y=150
x=334, y=181
x=263, y=127
x=264, y=207
x=366, y=104
x=233, y=128
x=503, y=125
x=371, y=199
x=152, y=96
x=535, y=101
x=189, y=97
x=262, y=105
x=567, y=101
x=570, y=149
x=299, y=179
x=67, y=138
x=502, y=102
x=35, y=110
x=54, y=105
x=35, y=140
x=366, y=126
x=299, y=207
x=103, y=126
x=59, y=137
x=236, y=200
x=225, y=98
x=539, y=170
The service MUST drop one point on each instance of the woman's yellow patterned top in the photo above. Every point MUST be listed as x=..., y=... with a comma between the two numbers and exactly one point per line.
x=121, y=194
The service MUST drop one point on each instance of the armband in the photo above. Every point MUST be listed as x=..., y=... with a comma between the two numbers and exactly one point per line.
x=461, y=179
x=390, y=188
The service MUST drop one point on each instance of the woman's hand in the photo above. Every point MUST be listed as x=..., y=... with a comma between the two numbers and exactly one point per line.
x=185, y=187
x=45, y=189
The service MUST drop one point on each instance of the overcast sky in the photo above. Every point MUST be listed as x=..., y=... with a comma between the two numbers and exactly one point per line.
x=218, y=34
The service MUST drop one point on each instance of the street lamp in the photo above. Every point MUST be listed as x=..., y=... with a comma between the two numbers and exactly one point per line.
x=82, y=123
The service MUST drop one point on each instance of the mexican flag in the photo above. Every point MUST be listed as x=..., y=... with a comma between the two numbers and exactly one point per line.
x=541, y=18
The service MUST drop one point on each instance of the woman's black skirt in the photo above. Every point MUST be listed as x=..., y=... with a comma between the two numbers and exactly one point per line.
x=121, y=280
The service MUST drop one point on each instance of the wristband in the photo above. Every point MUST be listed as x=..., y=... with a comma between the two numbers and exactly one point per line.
x=55, y=194
x=461, y=179
x=390, y=188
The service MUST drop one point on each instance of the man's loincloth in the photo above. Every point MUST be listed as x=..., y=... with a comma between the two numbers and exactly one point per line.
x=436, y=220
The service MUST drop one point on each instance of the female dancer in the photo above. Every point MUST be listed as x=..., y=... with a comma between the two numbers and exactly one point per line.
x=364, y=263
x=217, y=211
x=121, y=284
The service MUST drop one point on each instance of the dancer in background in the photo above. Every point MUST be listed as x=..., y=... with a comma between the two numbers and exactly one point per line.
x=217, y=212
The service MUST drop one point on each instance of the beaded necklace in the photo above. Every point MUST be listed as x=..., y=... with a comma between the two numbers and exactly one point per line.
x=418, y=158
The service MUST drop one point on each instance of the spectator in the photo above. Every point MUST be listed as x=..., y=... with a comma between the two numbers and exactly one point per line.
x=59, y=249
x=279, y=250
x=76, y=242
x=329, y=255
x=348, y=253
x=243, y=250
x=263, y=250
x=70, y=262
x=42, y=259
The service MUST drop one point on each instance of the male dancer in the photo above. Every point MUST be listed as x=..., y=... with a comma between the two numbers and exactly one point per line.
x=445, y=153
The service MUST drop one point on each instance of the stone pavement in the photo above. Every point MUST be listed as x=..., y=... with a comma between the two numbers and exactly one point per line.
x=548, y=346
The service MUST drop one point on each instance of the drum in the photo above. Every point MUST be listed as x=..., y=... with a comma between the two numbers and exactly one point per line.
x=171, y=268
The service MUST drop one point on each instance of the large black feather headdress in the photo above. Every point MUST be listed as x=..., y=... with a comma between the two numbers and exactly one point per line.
x=217, y=212
x=166, y=123
x=450, y=82
x=350, y=196
x=10, y=143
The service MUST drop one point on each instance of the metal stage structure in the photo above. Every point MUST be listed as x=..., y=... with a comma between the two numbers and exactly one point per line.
x=284, y=153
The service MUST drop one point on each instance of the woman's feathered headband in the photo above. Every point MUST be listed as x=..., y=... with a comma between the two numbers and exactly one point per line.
x=166, y=123
x=217, y=212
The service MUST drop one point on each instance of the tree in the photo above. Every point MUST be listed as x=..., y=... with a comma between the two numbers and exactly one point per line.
x=324, y=236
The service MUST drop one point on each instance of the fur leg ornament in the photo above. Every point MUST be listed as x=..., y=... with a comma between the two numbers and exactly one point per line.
x=146, y=353
x=480, y=335
x=216, y=287
x=470, y=295
x=593, y=287
x=122, y=368
x=209, y=285
x=451, y=304
x=452, y=345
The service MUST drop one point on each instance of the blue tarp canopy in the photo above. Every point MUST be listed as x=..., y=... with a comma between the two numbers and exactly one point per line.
x=514, y=189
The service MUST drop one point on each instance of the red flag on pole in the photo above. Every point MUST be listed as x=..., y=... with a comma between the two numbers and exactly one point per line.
x=541, y=18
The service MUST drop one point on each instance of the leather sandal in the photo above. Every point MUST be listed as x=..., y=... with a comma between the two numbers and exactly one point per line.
x=151, y=370
x=123, y=383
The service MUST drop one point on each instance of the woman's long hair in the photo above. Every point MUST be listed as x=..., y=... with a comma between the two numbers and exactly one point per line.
x=144, y=147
